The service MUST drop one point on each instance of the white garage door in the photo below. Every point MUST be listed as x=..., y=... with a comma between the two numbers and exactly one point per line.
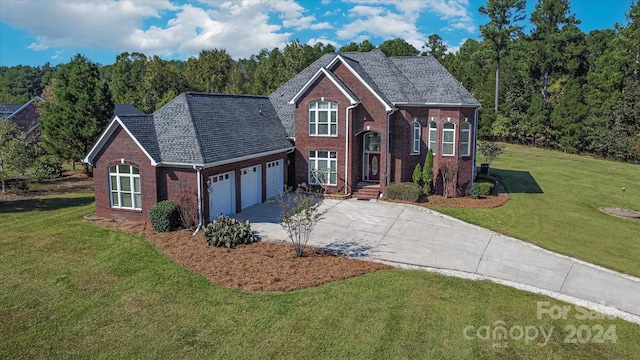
x=275, y=178
x=222, y=195
x=251, y=186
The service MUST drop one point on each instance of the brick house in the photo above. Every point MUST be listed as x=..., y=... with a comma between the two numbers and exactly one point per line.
x=361, y=120
x=214, y=154
x=351, y=122
x=25, y=116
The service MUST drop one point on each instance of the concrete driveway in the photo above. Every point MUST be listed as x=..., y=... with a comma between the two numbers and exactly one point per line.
x=410, y=235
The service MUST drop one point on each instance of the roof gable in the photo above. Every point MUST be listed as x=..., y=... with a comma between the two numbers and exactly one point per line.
x=353, y=99
x=143, y=139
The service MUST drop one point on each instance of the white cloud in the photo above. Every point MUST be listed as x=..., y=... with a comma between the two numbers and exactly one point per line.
x=321, y=26
x=325, y=41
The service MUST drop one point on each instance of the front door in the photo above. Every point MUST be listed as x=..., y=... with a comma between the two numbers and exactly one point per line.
x=374, y=167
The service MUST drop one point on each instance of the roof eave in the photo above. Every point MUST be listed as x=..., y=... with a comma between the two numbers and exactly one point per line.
x=223, y=162
x=307, y=85
x=437, y=104
x=339, y=57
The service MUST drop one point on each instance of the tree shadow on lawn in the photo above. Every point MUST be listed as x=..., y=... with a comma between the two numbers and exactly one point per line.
x=46, y=204
x=517, y=181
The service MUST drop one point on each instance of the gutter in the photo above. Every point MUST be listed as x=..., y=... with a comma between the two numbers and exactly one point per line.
x=346, y=149
x=224, y=162
x=199, y=172
x=437, y=104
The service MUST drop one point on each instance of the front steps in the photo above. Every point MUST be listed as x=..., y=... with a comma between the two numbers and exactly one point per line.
x=366, y=191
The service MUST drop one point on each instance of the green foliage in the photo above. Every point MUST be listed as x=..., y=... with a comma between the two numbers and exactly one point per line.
x=403, y=191
x=15, y=155
x=490, y=150
x=45, y=167
x=427, y=172
x=228, y=232
x=165, y=216
x=81, y=109
x=300, y=214
x=398, y=47
x=417, y=175
x=481, y=189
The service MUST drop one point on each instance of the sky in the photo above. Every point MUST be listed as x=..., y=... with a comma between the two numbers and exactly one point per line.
x=34, y=32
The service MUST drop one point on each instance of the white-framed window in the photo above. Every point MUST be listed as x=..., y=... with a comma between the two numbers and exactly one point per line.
x=124, y=182
x=465, y=138
x=323, y=119
x=323, y=167
x=433, y=136
x=415, y=149
x=448, y=139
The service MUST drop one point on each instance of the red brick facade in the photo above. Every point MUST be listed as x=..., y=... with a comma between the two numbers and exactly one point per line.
x=163, y=183
x=396, y=162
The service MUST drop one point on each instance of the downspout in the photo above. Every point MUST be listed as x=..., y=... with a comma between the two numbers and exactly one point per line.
x=346, y=149
x=198, y=170
x=388, y=167
x=475, y=142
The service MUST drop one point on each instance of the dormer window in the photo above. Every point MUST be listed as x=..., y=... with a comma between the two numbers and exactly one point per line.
x=323, y=119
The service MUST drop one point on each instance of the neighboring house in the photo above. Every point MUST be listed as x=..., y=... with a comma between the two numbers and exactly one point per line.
x=25, y=116
x=351, y=122
x=362, y=118
x=228, y=151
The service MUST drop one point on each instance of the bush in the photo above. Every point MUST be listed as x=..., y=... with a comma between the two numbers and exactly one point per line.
x=228, y=232
x=165, y=216
x=46, y=167
x=417, y=174
x=403, y=191
x=481, y=189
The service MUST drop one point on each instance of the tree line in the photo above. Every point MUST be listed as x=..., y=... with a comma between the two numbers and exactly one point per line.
x=554, y=86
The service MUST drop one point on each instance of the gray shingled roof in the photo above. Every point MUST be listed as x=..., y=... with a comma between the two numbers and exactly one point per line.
x=201, y=129
x=399, y=80
x=126, y=109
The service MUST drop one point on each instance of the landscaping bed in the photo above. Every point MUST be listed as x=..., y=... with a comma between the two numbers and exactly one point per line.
x=262, y=266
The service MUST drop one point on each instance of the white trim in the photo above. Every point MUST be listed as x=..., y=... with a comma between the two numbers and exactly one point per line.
x=413, y=136
x=131, y=176
x=434, y=149
x=315, y=77
x=106, y=134
x=454, y=139
x=355, y=73
x=225, y=162
x=316, y=118
x=468, y=138
x=346, y=148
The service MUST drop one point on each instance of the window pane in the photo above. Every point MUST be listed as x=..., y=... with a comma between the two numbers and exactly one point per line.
x=136, y=184
x=333, y=179
x=312, y=106
x=323, y=129
x=312, y=154
x=114, y=199
x=322, y=164
x=112, y=169
x=334, y=129
x=138, y=201
x=447, y=149
x=135, y=170
x=125, y=183
x=323, y=116
x=333, y=165
x=332, y=154
x=312, y=129
x=334, y=105
x=334, y=116
x=126, y=200
x=449, y=126
x=124, y=169
x=114, y=183
x=448, y=136
x=323, y=105
x=433, y=125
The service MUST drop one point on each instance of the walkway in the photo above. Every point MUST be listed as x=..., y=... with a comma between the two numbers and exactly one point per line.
x=412, y=235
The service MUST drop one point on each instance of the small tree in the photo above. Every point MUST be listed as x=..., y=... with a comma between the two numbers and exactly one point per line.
x=427, y=172
x=490, y=150
x=15, y=155
x=449, y=172
x=417, y=175
x=300, y=214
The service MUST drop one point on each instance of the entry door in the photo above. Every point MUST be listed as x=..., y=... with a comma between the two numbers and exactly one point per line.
x=374, y=166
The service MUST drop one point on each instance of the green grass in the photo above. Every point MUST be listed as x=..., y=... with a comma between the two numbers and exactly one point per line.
x=555, y=200
x=69, y=289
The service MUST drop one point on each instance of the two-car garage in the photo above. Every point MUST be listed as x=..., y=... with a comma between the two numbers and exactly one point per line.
x=222, y=187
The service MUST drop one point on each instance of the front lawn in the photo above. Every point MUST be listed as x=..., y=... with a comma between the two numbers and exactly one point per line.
x=555, y=200
x=69, y=289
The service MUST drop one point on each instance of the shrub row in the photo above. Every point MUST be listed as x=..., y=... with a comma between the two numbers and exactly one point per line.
x=403, y=191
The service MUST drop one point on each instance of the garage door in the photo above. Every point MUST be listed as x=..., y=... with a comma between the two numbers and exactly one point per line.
x=251, y=186
x=275, y=178
x=222, y=195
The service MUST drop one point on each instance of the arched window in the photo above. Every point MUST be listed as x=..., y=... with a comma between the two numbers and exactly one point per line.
x=433, y=136
x=416, y=137
x=465, y=138
x=124, y=182
x=448, y=139
x=323, y=119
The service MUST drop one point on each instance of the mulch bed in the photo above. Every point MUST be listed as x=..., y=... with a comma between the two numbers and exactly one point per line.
x=626, y=213
x=498, y=198
x=262, y=266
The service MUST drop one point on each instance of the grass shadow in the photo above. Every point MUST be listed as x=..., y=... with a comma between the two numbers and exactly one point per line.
x=43, y=204
x=517, y=181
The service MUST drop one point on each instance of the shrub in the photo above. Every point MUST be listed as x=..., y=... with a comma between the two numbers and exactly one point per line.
x=417, y=175
x=481, y=189
x=228, y=232
x=46, y=167
x=403, y=191
x=490, y=150
x=300, y=214
x=427, y=172
x=165, y=216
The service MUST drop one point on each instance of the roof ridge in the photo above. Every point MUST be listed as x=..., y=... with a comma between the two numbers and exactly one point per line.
x=199, y=93
x=193, y=125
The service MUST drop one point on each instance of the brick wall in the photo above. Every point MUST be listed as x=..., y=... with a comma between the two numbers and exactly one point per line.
x=121, y=149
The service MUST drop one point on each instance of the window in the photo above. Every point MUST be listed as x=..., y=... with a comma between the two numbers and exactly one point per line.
x=124, y=182
x=323, y=119
x=465, y=136
x=323, y=167
x=448, y=139
x=433, y=136
x=416, y=137
x=372, y=142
